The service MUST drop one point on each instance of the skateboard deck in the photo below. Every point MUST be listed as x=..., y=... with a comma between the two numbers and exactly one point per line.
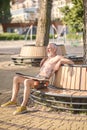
x=32, y=77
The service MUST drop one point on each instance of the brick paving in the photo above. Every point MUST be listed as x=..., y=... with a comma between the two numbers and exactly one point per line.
x=41, y=118
x=38, y=117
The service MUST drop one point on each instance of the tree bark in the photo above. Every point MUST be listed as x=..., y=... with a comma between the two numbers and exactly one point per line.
x=85, y=32
x=44, y=21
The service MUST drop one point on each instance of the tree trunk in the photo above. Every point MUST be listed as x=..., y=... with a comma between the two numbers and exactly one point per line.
x=85, y=31
x=44, y=22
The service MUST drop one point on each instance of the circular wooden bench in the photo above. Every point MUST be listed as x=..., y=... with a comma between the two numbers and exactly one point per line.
x=34, y=54
x=68, y=91
x=30, y=54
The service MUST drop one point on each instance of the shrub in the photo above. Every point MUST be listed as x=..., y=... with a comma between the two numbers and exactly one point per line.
x=11, y=36
x=14, y=36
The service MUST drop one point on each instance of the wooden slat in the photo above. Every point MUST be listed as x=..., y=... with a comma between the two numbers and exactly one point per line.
x=63, y=50
x=69, y=77
x=77, y=80
x=65, y=77
x=62, y=76
x=52, y=91
x=73, y=78
x=67, y=92
x=33, y=51
x=86, y=78
x=83, y=94
x=80, y=93
x=52, y=79
x=58, y=78
x=83, y=79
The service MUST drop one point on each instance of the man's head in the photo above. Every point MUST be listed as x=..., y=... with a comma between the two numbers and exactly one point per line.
x=51, y=49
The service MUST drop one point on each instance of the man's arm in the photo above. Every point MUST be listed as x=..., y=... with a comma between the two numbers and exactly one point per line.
x=62, y=61
x=66, y=61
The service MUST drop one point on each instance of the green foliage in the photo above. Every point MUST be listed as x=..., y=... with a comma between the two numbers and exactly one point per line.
x=14, y=36
x=5, y=15
x=11, y=36
x=74, y=36
x=73, y=17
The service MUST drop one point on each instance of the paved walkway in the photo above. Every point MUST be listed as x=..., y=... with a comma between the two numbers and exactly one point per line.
x=38, y=117
x=41, y=118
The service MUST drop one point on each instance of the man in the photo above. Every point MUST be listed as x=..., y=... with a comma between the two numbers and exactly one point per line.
x=48, y=66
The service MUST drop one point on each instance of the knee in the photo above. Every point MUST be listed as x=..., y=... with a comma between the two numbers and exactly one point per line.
x=16, y=79
x=27, y=82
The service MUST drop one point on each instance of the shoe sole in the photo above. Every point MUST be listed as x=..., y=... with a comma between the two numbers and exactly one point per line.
x=9, y=106
x=14, y=113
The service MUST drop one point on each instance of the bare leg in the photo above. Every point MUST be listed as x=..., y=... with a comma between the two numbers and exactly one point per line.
x=17, y=80
x=28, y=83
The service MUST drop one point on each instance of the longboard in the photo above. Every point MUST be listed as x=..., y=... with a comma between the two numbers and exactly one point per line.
x=32, y=77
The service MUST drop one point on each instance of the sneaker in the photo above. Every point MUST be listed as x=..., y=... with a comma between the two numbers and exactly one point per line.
x=9, y=103
x=20, y=110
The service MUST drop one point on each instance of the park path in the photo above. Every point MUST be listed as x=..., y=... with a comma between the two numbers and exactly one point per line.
x=40, y=118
